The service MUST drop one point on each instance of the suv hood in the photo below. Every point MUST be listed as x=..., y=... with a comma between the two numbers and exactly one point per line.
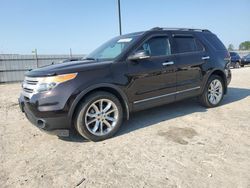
x=68, y=67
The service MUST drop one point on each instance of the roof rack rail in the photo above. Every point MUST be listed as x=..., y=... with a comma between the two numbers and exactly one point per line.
x=178, y=29
x=156, y=28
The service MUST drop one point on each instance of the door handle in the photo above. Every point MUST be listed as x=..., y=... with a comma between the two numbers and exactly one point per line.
x=205, y=57
x=168, y=63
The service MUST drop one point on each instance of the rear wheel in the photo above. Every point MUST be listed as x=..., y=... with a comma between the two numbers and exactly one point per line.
x=213, y=93
x=242, y=65
x=99, y=116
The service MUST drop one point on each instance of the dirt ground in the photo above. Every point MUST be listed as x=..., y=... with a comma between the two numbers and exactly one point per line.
x=177, y=145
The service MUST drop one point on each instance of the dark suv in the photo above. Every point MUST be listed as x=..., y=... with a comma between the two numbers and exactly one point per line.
x=245, y=60
x=235, y=60
x=128, y=73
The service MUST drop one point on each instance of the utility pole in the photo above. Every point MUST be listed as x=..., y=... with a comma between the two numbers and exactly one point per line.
x=119, y=12
x=35, y=52
x=70, y=53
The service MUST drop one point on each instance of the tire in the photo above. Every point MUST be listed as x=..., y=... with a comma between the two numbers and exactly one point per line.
x=237, y=65
x=242, y=65
x=210, y=92
x=99, y=116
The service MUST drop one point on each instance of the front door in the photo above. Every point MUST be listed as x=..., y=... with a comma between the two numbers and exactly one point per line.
x=153, y=80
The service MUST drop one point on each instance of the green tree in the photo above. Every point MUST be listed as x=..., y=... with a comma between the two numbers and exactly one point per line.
x=230, y=47
x=245, y=45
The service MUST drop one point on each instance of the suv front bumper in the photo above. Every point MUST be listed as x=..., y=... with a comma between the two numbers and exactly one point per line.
x=51, y=122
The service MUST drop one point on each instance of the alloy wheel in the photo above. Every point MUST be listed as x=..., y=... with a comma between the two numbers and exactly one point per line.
x=101, y=117
x=215, y=92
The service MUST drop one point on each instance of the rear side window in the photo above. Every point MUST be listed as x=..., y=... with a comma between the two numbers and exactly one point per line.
x=215, y=42
x=199, y=46
x=185, y=44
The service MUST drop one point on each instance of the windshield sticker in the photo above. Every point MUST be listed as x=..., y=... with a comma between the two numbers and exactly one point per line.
x=125, y=40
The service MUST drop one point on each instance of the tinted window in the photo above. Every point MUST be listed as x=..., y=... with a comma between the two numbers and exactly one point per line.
x=199, y=46
x=156, y=46
x=215, y=42
x=187, y=44
x=233, y=54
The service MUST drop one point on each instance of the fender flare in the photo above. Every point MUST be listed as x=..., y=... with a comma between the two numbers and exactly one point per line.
x=83, y=93
x=212, y=72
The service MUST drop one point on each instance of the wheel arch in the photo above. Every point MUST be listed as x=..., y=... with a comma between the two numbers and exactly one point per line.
x=100, y=87
x=220, y=73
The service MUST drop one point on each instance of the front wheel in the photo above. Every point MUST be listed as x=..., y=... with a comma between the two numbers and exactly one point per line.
x=213, y=93
x=99, y=116
x=237, y=65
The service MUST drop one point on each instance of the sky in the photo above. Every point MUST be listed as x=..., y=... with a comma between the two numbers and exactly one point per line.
x=55, y=26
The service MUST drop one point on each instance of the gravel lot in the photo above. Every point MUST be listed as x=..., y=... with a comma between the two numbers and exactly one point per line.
x=177, y=145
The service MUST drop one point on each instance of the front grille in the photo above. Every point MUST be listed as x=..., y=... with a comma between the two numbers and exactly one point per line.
x=29, y=85
x=28, y=90
x=31, y=82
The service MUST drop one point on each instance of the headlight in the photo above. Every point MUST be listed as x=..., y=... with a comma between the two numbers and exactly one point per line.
x=45, y=87
x=50, y=82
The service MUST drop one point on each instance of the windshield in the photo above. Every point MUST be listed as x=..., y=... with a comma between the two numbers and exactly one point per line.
x=112, y=49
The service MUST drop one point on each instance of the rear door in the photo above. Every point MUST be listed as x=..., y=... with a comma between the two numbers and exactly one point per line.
x=190, y=56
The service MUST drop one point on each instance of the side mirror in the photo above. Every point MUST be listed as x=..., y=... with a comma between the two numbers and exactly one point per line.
x=138, y=56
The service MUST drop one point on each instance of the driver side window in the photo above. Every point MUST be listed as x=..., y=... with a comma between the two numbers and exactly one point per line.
x=156, y=46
